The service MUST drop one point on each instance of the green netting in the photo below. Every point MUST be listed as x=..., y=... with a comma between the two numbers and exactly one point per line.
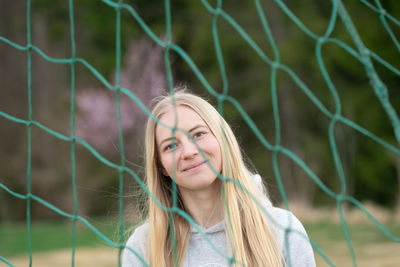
x=358, y=51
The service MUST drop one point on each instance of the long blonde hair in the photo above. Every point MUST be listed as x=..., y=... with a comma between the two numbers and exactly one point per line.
x=251, y=240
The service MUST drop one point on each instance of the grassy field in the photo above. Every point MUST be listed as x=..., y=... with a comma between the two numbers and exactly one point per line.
x=371, y=246
x=51, y=244
x=53, y=235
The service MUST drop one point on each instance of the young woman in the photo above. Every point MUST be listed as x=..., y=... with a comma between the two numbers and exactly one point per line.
x=193, y=145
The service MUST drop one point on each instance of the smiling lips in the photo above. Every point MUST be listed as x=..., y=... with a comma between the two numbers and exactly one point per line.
x=194, y=166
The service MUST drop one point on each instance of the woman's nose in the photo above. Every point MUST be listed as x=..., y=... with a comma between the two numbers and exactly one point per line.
x=189, y=149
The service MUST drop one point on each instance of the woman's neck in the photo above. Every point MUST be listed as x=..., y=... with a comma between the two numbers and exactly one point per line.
x=205, y=207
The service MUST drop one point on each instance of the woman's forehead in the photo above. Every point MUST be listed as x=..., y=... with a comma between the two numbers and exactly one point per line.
x=183, y=117
x=180, y=116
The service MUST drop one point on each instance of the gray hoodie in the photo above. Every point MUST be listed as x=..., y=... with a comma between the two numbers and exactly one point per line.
x=294, y=243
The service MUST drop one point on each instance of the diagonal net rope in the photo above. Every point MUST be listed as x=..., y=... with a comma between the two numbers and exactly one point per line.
x=360, y=52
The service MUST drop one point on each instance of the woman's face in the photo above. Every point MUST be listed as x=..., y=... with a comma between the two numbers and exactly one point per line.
x=180, y=155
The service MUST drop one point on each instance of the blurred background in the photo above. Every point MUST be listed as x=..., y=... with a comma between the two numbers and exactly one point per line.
x=372, y=172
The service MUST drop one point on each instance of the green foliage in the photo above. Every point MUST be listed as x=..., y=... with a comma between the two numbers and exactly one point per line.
x=376, y=179
x=94, y=29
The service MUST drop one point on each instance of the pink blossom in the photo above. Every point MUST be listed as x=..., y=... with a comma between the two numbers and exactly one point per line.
x=143, y=74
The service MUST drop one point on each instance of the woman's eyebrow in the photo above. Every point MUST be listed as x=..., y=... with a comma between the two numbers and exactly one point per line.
x=197, y=126
x=166, y=139
x=191, y=130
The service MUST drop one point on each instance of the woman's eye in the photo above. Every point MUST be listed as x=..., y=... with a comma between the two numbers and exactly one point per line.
x=170, y=147
x=199, y=134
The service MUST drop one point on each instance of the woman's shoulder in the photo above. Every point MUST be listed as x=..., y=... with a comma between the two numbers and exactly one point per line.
x=284, y=221
x=285, y=218
x=135, y=249
x=139, y=235
x=291, y=237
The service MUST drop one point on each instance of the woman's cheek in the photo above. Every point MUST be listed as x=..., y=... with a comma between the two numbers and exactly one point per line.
x=167, y=162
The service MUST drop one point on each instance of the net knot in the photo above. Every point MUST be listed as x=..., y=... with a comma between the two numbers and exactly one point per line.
x=174, y=129
x=167, y=45
x=340, y=198
x=277, y=148
x=121, y=169
x=275, y=64
x=381, y=92
x=221, y=98
x=366, y=52
x=217, y=11
x=383, y=12
x=321, y=40
x=287, y=231
x=117, y=88
x=336, y=117
x=174, y=209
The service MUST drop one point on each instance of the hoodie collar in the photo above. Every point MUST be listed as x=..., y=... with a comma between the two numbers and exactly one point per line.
x=213, y=229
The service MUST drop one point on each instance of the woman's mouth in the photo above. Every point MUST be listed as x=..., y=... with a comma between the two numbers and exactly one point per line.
x=194, y=166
